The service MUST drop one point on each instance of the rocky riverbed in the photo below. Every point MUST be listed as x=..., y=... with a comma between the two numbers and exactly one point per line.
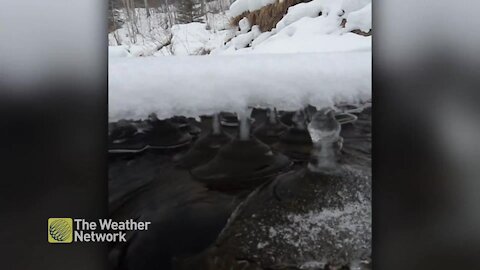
x=294, y=220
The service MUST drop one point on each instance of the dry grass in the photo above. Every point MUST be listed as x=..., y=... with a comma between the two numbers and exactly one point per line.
x=268, y=16
x=234, y=21
x=357, y=31
x=361, y=33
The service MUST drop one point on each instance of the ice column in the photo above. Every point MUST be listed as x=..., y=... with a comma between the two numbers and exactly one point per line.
x=216, y=124
x=300, y=120
x=244, y=118
x=272, y=116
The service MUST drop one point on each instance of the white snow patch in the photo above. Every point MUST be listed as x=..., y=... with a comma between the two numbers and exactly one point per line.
x=353, y=5
x=261, y=38
x=244, y=25
x=243, y=40
x=189, y=38
x=361, y=19
x=118, y=51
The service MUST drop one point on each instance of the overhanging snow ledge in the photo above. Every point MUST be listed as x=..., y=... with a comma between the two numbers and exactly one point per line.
x=198, y=85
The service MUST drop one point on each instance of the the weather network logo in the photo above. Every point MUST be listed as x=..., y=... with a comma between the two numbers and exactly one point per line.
x=60, y=230
x=68, y=230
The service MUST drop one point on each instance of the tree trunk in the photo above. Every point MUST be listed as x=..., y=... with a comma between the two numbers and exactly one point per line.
x=146, y=8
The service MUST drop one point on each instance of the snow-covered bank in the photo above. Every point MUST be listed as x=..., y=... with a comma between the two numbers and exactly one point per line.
x=315, y=26
x=307, y=27
x=196, y=85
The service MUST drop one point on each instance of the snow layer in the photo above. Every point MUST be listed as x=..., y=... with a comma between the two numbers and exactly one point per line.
x=197, y=85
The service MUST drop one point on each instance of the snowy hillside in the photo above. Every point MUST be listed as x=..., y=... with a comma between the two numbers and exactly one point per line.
x=315, y=26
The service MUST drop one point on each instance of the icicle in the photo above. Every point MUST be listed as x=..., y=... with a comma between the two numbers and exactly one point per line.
x=299, y=119
x=152, y=117
x=244, y=118
x=356, y=265
x=216, y=124
x=272, y=116
x=325, y=133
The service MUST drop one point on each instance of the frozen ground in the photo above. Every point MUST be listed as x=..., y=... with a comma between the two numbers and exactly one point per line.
x=193, y=86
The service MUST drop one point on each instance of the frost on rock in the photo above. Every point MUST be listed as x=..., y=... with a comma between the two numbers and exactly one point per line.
x=338, y=228
x=321, y=224
x=307, y=219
